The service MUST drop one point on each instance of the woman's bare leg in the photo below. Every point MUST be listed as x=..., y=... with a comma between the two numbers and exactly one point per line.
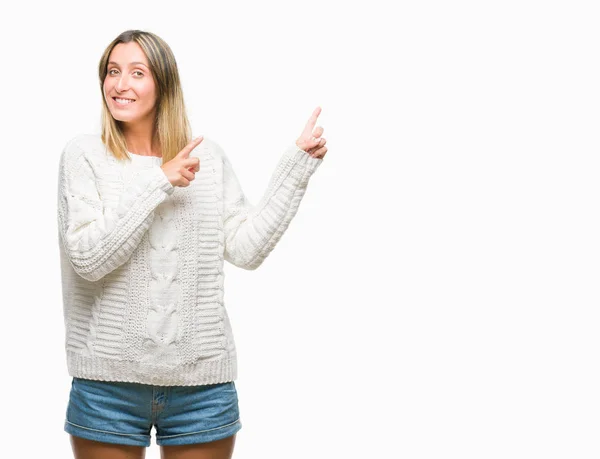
x=90, y=449
x=219, y=449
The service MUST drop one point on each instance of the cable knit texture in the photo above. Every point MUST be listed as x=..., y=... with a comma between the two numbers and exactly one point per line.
x=142, y=261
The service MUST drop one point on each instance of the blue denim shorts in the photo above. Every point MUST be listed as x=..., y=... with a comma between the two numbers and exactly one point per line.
x=124, y=412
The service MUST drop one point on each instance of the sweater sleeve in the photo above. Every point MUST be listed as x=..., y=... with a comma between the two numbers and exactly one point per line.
x=97, y=239
x=252, y=231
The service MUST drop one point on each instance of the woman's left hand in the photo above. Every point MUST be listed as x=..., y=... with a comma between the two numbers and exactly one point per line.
x=312, y=142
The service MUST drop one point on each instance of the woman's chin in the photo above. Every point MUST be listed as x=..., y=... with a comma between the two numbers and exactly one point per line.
x=128, y=117
x=123, y=119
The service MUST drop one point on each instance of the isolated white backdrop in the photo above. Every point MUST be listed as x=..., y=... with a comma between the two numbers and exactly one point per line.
x=436, y=295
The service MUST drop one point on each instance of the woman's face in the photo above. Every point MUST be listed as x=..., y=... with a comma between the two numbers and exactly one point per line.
x=129, y=77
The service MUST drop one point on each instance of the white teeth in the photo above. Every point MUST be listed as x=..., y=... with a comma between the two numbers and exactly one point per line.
x=124, y=101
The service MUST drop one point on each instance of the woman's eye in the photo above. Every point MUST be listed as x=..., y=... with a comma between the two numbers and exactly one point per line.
x=110, y=72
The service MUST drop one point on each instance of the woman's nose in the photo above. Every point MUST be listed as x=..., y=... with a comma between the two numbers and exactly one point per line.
x=122, y=83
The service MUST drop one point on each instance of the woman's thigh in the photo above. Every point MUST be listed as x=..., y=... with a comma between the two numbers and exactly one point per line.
x=90, y=449
x=218, y=449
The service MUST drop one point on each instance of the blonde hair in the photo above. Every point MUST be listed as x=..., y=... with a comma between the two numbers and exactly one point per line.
x=172, y=129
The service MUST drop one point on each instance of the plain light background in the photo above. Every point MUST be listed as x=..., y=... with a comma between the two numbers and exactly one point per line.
x=436, y=295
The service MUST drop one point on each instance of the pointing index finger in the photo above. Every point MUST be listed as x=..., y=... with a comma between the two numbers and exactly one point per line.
x=310, y=125
x=190, y=146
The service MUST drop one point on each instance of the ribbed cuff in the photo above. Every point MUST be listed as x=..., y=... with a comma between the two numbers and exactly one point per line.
x=164, y=183
x=301, y=157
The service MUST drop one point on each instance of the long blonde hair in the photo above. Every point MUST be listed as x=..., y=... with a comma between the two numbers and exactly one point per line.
x=172, y=129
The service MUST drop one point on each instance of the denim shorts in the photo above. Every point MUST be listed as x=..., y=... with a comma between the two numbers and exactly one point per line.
x=124, y=412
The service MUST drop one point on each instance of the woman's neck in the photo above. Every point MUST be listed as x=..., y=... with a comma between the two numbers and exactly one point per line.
x=141, y=140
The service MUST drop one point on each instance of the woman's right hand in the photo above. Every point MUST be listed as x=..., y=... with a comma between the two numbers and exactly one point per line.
x=181, y=170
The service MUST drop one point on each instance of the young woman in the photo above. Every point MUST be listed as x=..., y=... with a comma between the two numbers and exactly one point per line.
x=146, y=217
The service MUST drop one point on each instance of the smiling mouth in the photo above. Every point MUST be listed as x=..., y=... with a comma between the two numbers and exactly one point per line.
x=121, y=101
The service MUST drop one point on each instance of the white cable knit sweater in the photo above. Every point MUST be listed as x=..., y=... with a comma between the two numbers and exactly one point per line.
x=142, y=261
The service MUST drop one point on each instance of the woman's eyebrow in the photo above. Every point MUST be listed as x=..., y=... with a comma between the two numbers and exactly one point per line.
x=132, y=63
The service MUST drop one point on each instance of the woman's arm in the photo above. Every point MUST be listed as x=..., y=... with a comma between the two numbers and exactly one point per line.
x=251, y=232
x=97, y=240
